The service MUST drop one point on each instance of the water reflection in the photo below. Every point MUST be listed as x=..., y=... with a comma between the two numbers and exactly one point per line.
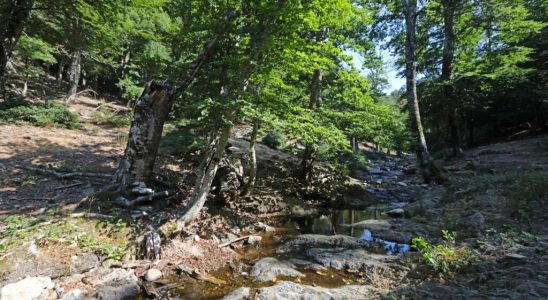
x=391, y=247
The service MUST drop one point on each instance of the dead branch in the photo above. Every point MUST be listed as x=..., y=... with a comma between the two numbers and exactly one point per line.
x=91, y=215
x=66, y=175
x=147, y=198
x=234, y=241
x=32, y=199
x=69, y=186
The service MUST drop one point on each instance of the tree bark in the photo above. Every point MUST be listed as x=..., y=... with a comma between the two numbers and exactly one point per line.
x=447, y=75
x=309, y=153
x=13, y=15
x=425, y=163
x=150, y=113
x=74, y=73
x=252, y=159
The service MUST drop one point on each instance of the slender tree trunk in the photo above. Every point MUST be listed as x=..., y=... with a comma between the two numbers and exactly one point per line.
x=447, y=75
x=252, y=159
x=25, y=86
x=74, y=73
x=13, y=15
x=61, y=71
x=425, y=163
x=150, y=113
x=124, y=65
x=309, y=153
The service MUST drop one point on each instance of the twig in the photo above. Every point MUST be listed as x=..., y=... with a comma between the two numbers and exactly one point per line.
x=69, y=186
x=66, y=175
x=6, y=255
x=91, y=215
x=234, y=241
x=146, y=198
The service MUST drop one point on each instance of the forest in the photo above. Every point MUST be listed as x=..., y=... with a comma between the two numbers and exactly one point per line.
x=280, y=149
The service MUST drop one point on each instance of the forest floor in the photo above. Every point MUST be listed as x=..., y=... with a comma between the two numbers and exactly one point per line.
x=297, y=241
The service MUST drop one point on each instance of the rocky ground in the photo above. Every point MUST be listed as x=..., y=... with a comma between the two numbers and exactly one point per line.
x=338, y=238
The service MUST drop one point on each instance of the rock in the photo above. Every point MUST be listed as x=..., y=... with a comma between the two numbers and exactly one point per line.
x=322, y=241
x=401, y=183
x=357, y=259
x=242, y=293
x=254, y=239
x=373, y=225
x=76, y=294
x=122, y=292
x=307, y=265
x=516, y=256
x=153, y=275
x=119, y=277
x=396, y=212
x=268, y=268
x=292, y=291
x=354, y=194
x=31, y=288
x=264, y=227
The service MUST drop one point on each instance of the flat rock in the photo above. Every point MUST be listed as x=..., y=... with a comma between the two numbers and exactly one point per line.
x=286, y=290
x=153, y=275
x=356, y=259
x=396, y=212
x=322, y=241
x=242, y=293
x=31, y=288
x=268, y=268
x=373, y=225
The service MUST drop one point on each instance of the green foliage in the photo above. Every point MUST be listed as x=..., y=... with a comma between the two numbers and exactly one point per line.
x=445, y=257
x=528, y=195
x=29, y=49
x=51, y=114
x=274, y=139
x=182, y=141
x=130, y=90
x=113, y=252
x=105, y=116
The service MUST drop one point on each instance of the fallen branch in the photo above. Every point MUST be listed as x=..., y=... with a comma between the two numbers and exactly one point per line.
x=32, y=199
x=86, y=91
x=91, y=215
x=234, y=241
x=70, y=186
x=66, y=175
x=147, y=198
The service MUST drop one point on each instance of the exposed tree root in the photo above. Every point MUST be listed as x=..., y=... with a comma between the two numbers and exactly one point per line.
x=65, y=175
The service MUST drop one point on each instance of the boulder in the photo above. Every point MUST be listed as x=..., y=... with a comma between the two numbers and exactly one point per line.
x=355, y=259
x=268, y=268
x=322, y=241
x=153, y=275
x=31, y=288
x=122, y=292
x=292, y=291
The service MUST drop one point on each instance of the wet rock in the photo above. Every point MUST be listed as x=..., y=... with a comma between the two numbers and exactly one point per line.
x=373, y=225
x=307, y=265
x=292, y=291
x=354, y=195
x=516, y=256
x=31, y=288
x=268, y=268
x=531, y=290
x=242, y=293
x=396, y=212
x=322, y=241
x=357, y=259
x=153, y=275
x=122, y=292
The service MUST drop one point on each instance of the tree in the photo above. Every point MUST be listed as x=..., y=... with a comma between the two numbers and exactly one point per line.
x=13, y=14
x=29, y=49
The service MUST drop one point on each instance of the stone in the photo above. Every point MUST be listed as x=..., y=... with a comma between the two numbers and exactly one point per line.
x=254, y=239
x=268, y=268
x=357, y=259
x=396, y=212
x=242, y=293
x=293, y=291
x=31, y=288
x=322, y=241
x=122, y=292
x=516, y=256
x=264, y=227
x=153, y=275
x=76, y=294
x=119, y=277
x=373, y=225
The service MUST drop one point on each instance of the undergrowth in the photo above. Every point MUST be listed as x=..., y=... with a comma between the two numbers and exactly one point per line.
x=50, y=114
x=105, y=116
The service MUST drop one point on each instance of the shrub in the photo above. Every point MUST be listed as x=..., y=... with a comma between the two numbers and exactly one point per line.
x=274, y=139
x=105, y=116
x=182, y=142
x=50, y=114
x=444, y=257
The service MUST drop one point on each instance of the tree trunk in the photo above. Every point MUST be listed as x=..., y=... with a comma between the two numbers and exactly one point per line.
x=252, y=160
x=447, y=76
x=61, y=71
x=208, y=168
x=13, y=15
x=124, y=64
x=25, y=86
x=74, y=74
x=151, y=111
x=309, y=153
x=149, y=116
x=425, y=163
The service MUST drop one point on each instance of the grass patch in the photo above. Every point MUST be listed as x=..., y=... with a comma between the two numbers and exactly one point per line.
x=47, y=115
x=528, y=195
x=105, y=116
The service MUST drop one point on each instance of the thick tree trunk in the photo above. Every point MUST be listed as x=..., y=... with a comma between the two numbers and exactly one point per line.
x=74, y=73
x=447, y=75
x=13, y=15
x=151, y=111
x=425, y=163
x=252, y=159
x=309, y=153
x=149, y=116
